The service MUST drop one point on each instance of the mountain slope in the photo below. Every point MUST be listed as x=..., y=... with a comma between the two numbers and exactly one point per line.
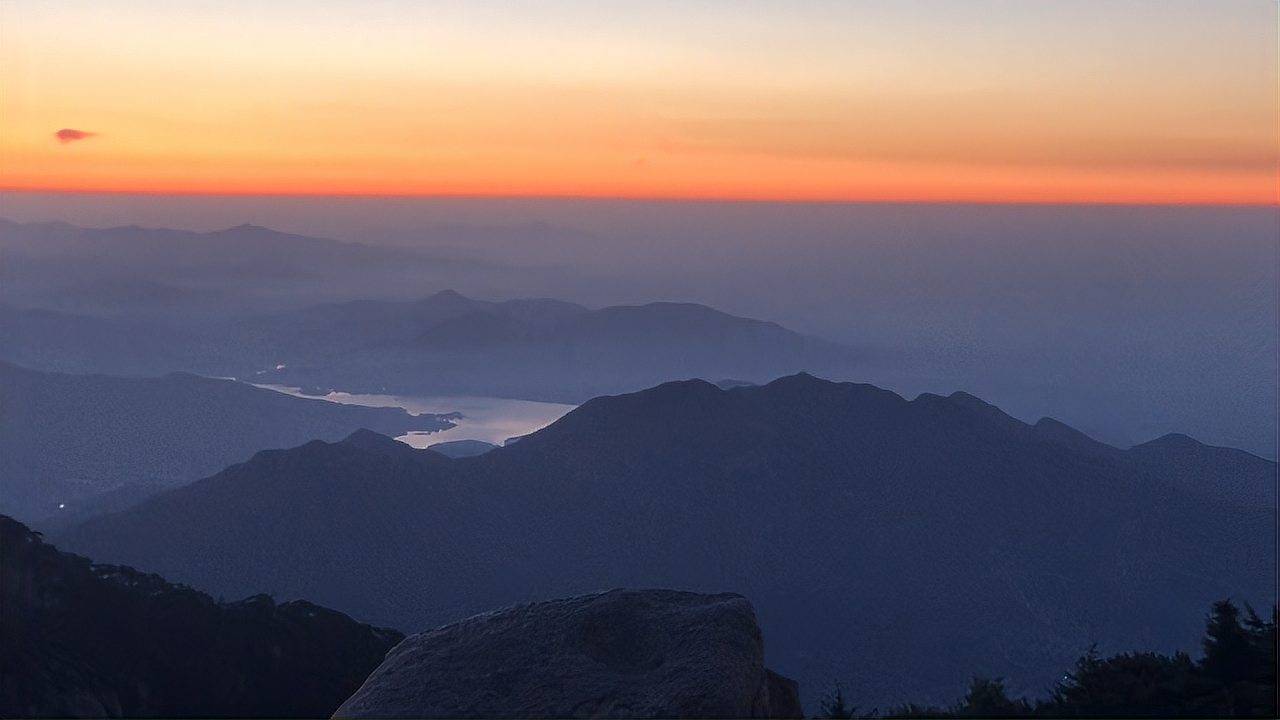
x=68, y=342
x=85, y=640
x=870, y=531
x=1223, y=472
x=65, y=439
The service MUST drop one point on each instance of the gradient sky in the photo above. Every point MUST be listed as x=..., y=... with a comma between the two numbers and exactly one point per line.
x=958, y=100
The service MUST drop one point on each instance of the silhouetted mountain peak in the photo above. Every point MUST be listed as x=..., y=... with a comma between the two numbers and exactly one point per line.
x=1059, y=430
x=665, y=403
x=461, y=448
x=804, y=376
x=1172, y=441
x=263, y=238
x=973, y=405
x=374, y=442
x=264, y=232
x=673, y=315
x=447, y=295
x=676, y=392
x=1067, y=436
x=801, y=383
x=1050, y=425
x=249, y=229
x=673, y=305
x=972, y=402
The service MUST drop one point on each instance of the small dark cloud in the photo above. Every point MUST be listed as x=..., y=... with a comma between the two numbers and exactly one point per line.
x=66, y=135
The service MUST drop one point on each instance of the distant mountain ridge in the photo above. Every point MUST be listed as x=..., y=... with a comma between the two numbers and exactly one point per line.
x=539, y=349
x=443, y=344
x=156, y=272
x=143, y=250
x=868, y=530
x=241, y=301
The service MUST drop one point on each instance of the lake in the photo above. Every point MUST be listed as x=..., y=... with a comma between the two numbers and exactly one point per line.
x=488, y=419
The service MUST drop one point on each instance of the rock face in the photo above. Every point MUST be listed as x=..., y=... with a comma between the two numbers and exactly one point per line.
x=622, y=653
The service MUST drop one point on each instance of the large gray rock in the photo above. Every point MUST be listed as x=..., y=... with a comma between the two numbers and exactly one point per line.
x=622, y=653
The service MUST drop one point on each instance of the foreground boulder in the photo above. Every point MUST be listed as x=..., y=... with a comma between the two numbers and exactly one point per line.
x=622, y=653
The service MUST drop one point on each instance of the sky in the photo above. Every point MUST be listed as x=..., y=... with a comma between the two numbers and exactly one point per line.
x=1004, y=101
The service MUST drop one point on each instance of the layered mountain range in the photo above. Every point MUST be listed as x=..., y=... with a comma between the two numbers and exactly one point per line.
x=537, y=349
x=871, y=532
x=444, y=344
x=273, y=307
x=132, y=270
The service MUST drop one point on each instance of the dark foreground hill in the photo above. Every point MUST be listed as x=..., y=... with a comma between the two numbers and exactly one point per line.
x=83, y=442
x=900, y=545
x=85, y=640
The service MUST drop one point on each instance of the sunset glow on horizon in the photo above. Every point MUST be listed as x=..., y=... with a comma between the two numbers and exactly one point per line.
x=981, y=101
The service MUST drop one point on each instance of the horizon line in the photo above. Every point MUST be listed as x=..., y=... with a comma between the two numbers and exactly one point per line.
x=762, y=200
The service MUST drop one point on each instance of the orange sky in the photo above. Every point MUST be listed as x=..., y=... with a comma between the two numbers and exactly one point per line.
x=986, y=100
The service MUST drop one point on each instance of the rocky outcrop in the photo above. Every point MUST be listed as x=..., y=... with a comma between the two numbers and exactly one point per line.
x=622, y=653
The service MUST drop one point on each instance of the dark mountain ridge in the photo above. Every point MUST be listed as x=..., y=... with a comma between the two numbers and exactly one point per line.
x=66, y=440
x=869, y=530
x=86, y=640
